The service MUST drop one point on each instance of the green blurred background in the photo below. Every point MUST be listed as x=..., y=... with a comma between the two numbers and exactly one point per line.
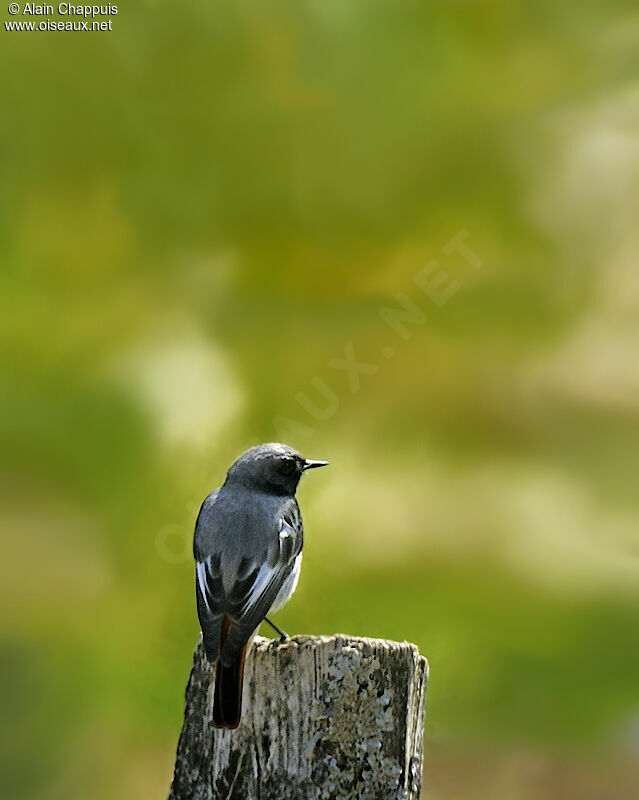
x=203, y=208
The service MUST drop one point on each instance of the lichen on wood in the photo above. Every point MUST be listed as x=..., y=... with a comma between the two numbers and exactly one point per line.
x=334, y=717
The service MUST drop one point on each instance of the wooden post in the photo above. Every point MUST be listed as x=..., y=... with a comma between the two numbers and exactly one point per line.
x=324, y=717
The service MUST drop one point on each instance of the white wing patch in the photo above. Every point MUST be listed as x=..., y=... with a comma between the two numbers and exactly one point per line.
x=287, y=541
x=284, y=533
x=288, y=587
x=263, y=579
x=201, y=568
x=268, y=574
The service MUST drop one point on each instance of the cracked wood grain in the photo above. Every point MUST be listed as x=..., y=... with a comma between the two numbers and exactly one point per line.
x=323, y=717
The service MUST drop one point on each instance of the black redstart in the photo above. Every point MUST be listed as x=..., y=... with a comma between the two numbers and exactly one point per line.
x=248, y=552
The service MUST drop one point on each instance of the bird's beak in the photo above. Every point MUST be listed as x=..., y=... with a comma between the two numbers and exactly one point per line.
x=310, y=464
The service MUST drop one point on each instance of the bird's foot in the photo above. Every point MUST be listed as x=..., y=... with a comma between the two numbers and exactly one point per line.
x=283, y=635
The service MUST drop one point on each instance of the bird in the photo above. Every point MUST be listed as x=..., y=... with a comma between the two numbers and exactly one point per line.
x=248, y=554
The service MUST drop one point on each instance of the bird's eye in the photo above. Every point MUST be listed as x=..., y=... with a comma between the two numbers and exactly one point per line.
x=288, y=466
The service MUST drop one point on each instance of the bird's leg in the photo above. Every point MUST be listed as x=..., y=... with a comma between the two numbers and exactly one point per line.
x=283, y=635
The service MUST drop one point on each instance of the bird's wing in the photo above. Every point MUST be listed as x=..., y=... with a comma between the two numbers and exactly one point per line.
x=209, y=589
x=259, y=581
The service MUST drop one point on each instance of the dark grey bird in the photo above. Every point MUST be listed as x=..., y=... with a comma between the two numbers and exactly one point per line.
x=248, y=553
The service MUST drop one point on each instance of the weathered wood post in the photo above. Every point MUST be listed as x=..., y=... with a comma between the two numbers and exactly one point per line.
x=323, y=717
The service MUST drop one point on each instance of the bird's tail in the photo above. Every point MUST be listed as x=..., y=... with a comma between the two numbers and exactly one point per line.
x=227, y=700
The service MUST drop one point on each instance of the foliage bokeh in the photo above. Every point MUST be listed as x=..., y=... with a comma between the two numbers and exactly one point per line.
x=199, y=211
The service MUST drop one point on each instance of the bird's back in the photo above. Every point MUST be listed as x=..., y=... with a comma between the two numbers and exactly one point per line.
x=239, y=525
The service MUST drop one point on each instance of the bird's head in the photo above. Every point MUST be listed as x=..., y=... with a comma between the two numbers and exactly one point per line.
x=270, y=467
